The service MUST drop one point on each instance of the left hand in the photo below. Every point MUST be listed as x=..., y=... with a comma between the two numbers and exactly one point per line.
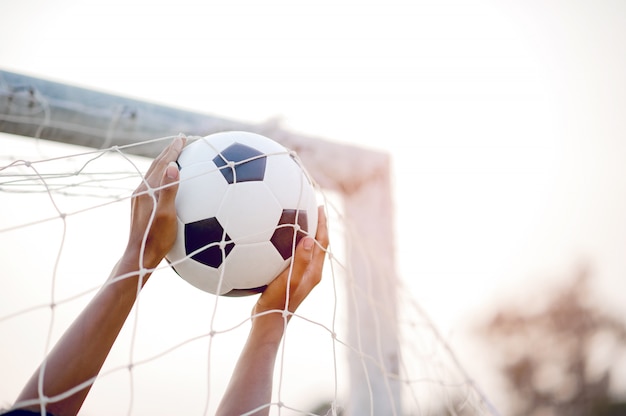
x=159, y=232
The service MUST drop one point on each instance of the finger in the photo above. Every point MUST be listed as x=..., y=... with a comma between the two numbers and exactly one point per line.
x=319, y=251
x=173, y=151
x=158, y=159
x=322, y=227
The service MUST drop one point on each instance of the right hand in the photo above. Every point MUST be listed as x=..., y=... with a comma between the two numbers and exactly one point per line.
x=301, y=278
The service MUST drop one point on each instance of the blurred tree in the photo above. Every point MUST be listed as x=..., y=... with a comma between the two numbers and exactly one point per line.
x=546, y=356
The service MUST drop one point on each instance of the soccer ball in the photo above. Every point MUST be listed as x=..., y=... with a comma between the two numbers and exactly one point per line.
x=243, y=204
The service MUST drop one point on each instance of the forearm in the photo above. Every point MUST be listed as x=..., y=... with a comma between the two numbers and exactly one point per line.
x=80, y=353
x=250, y=386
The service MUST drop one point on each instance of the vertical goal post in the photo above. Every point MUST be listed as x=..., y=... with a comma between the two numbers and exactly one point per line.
x=54, y=111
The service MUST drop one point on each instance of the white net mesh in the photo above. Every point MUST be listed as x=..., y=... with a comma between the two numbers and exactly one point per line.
x=63, y=226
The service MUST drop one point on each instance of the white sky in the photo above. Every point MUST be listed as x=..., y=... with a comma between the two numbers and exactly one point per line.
x=505, y=120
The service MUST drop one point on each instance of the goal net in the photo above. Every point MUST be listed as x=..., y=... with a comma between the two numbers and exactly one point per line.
x=359, y=345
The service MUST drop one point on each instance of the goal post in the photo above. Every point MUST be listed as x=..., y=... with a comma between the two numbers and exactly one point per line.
x=374, y=371
x=362, y=177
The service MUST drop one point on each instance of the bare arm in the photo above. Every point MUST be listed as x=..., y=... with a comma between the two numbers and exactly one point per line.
x=250, y=386
x=80, y=353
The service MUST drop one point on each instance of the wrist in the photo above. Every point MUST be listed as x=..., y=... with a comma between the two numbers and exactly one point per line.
x=128, y=269
x=269, y=327
x=132, y=259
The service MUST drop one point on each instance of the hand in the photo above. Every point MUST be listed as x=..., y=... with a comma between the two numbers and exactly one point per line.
x=301, y=278
x=159, y=231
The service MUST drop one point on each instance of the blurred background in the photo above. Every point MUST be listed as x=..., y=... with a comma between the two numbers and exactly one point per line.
x=504, y=120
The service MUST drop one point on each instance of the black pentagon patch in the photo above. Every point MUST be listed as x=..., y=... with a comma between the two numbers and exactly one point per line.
x=282, y=238
x=251, y=170
x=203, y=233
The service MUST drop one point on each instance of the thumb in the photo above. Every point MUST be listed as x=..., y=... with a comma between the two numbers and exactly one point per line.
x=301, y=260
x=303, y=254
x=169, y=184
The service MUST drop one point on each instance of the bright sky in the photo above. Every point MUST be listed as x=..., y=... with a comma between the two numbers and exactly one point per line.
x=504, y=119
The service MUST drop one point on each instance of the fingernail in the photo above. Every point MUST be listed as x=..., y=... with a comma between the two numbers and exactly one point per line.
x=172, y=170
x=307, y=243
